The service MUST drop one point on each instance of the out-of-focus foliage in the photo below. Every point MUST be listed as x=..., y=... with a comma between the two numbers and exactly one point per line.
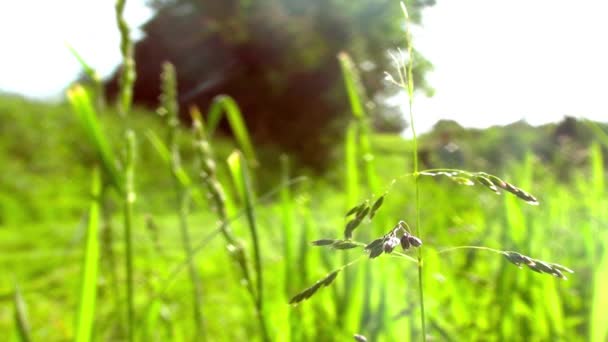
x=277, y=58
x=562, y=146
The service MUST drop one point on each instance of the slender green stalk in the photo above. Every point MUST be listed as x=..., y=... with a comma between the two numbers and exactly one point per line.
x=169, y=108
x=184, y=209
x=128, y=74
x=218, y=200
x=129, y=202
x=483, y=248
x=240, y=175
x=410, y=91
x=126, y=82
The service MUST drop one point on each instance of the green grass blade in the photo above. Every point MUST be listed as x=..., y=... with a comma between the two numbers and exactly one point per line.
x=83, y=108
x=240, y=176
x=352, y=85
x=181, y=174
x=599, y=306
x=93, y=75
x=23, y=326
x=88, y=292
x=225, y=104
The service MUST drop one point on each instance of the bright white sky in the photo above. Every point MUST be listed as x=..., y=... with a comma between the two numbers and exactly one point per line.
x=495, y=61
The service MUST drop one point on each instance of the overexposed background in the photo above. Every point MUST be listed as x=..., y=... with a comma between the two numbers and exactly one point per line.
x=495, y=61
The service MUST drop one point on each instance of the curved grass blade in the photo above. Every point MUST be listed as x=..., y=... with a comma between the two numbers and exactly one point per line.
x=225, y=104
x=240, y=175
x=83, y=108
x=90, y=266
x=23, y=325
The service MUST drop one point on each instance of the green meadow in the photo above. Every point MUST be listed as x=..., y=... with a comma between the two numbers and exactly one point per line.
x=48, y=214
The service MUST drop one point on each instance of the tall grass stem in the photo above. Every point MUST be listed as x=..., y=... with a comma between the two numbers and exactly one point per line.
x=129, y=202
x=410, y=91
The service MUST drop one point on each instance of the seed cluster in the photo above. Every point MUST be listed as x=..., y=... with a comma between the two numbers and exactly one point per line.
x=489, y=181
x=537, y=265
x=399, y=235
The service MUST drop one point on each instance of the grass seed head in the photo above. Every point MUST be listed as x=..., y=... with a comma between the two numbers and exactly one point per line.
x=390, y=244
x=414, y=241
x=324, y=242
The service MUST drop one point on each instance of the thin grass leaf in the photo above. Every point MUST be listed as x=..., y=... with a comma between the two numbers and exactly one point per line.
x=93, y=75
x=351, y=84
x=90, y=266
x=240, y=176
x=225, y=104
x=83, y=108
x=21, y=320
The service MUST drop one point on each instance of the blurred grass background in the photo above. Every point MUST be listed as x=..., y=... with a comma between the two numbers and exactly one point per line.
x=470, y=295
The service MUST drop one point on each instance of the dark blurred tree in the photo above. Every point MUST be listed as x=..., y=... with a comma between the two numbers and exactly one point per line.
x=277, y=58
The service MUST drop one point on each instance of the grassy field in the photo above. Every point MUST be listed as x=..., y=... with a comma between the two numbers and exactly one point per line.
x=469, y=294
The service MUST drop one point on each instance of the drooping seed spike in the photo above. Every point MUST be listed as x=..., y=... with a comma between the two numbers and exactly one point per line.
x=534, y=267
x=543, y=266
x=324, y=242
x=374, y=244
x=377, y=204
x=390, y=244
x=361, y=214
x=559, y=274
x=404, y=226
x=405, y=243
x=514, y=257
x=376, y=251
x=495, y=180
x=350, y=226
x=562, y=268
x=414, y=241
x=487, y=183
x=344, y=244
x=463, y=181
x=355, y=209
x=307, y=293
x=330, y=278
x=521, y=194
